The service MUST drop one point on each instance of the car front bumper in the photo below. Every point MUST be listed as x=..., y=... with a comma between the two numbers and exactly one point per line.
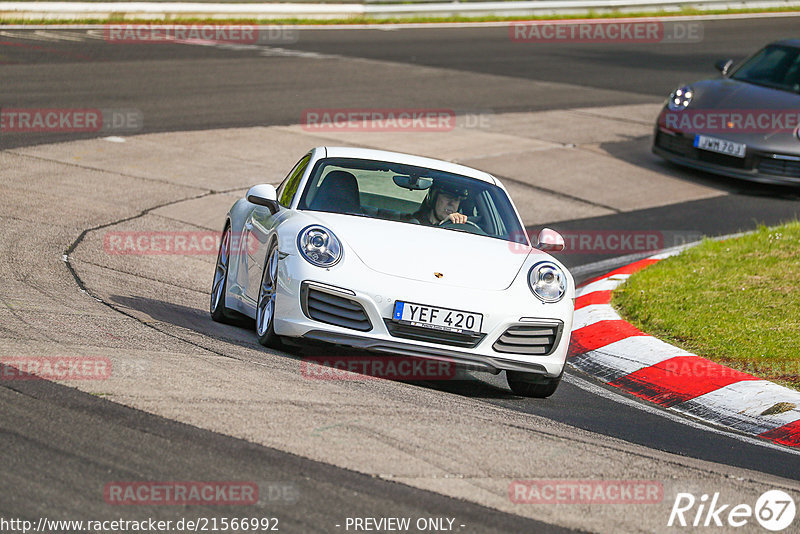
x=376, y=293
x=759, y=165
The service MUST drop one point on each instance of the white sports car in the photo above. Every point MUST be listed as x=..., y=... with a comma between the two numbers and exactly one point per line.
x=398, y=254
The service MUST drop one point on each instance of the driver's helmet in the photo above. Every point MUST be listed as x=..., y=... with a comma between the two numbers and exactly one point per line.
x=441, y=186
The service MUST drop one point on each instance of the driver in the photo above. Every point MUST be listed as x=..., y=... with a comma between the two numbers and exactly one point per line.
x=441, y=205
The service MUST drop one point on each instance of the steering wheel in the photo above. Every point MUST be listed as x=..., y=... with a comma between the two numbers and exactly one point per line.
x=469, y=227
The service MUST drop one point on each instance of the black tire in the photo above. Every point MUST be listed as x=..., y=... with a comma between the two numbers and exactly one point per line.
x=265, y=325
x=532, y=385
x=219, y=285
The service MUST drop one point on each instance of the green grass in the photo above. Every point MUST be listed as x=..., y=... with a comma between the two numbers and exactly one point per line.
x=396, y=20
x=736, y=302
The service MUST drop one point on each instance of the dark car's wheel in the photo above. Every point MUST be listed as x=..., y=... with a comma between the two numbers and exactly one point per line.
x=219, y=286
x=532, y=385
x=265, y=311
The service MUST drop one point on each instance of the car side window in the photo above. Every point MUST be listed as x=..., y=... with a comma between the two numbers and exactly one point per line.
x=288, y=188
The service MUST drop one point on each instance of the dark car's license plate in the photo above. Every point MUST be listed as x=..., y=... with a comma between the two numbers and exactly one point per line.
x=721, y=146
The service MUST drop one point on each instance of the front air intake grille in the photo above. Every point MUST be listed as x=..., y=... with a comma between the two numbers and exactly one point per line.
x=779, y=167
x=333, y=309
x=676, y=144
x=539, y=339
x=722, y=159
x=433, y=336
x=684, y=146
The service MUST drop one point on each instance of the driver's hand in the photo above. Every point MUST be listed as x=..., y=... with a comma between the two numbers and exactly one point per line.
x=457, y=218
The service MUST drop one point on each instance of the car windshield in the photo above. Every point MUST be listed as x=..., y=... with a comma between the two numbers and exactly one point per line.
x=775, y=66
x=412, y=195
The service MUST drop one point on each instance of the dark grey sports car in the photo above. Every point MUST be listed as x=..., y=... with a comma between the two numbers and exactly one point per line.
x=742, y=125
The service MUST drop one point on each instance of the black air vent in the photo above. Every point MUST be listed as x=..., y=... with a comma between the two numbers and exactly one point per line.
x=433, y=336
x=333, y=309
x=534, y=339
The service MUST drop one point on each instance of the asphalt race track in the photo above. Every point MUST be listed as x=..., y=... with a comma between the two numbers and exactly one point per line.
x=208, y=403
x=193, y=87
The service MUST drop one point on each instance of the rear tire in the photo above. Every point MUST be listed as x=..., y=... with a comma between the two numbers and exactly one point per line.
x=532, y=385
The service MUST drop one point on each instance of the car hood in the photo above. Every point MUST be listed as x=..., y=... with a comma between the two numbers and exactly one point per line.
x=732, y=95
x=417, y=252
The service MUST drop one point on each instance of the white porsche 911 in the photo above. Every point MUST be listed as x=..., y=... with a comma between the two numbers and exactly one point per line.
x=398, y=254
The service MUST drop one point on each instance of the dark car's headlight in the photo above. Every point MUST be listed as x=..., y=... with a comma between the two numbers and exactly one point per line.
x=319, y=246
x=680, y=98
x=547, y=281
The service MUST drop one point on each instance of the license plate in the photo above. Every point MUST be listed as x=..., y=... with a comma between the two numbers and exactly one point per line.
x=436, y=318
x=721, y=146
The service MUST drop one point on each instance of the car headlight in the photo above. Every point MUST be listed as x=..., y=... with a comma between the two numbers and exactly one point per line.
x=547, y=281
x=680, y=98
x=319, y=246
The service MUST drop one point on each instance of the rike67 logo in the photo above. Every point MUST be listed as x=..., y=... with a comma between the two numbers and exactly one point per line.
x=774, y=510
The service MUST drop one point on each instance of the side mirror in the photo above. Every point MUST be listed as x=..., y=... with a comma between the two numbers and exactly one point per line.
x=550, y=241
x=264, y=195
x=723, y=65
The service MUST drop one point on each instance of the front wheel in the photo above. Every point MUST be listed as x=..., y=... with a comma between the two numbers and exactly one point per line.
x=532, y=385
x=219, y=312
x=265, y=310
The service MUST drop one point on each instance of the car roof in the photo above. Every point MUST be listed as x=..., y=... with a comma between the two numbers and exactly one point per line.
x=398, y=157
x=788, y=42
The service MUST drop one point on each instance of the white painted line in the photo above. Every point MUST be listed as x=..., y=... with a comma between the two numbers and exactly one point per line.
x=615, y=263
x=595, y=313
x=668, y=254
x=646, y=350
x=190, y=8
x=603, y=366
x=521, y=8
x=604, y=284
x=501, y=24
x=741, y=404
x=628, y=356
x=652, y=409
